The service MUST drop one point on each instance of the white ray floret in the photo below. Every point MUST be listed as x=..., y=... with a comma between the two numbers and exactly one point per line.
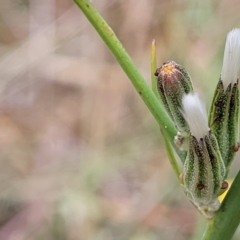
x=194, y=111
x=231, y=58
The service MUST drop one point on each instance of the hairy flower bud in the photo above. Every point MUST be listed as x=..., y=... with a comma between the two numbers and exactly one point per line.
x=224, y=113
x=173, y=82
x=204, y=169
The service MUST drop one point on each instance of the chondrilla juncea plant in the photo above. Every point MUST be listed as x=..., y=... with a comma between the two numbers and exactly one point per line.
x=205, y=144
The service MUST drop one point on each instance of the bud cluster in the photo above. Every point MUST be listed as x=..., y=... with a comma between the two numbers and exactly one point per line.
x=210, y=141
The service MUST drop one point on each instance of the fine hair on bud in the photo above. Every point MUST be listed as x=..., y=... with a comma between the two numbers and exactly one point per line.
x=231, y=58
x=194, y=111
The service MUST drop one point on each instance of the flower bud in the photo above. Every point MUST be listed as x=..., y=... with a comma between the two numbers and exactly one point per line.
x=173, y=82
x=204, y=169
x=224, y=113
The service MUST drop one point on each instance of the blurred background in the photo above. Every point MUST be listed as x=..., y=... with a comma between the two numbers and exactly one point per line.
x=81, y=157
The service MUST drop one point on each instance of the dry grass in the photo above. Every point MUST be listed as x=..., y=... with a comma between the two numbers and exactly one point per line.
x=80, y=155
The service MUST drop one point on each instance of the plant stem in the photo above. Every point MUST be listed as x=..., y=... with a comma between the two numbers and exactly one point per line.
x=153, y=68
x=171, y=157
x=227, y=218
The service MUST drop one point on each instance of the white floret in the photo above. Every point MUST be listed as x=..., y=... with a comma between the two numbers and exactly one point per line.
x=195, y=113
x=231, y=58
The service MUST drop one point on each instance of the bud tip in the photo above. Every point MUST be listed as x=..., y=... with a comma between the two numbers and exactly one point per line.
x=231, y=58
x=195, y=113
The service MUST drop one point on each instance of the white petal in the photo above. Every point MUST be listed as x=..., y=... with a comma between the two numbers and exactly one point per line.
x=195, y=114
x=231, y=58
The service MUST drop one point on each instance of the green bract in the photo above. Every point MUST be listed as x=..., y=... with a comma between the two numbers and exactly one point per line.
x=224, y=118
x=203, y=173
x=204, y=170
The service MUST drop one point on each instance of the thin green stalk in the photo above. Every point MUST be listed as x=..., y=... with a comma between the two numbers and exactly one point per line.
x=167, y=143
x=171, y=157
x=200, y=226
x=227, y=218
x=153, y=68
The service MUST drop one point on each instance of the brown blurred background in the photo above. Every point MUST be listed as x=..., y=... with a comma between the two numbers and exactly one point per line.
x=81, y=157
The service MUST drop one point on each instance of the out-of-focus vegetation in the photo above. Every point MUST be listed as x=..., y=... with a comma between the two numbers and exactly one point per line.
x=80, y=155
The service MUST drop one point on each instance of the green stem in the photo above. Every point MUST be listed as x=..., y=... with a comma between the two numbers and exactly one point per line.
x=153, y=68
x=227, y=218
x=171, y=157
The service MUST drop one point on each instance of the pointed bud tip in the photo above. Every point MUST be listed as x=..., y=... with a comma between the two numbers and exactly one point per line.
x=195, y=114
x=231, y=58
